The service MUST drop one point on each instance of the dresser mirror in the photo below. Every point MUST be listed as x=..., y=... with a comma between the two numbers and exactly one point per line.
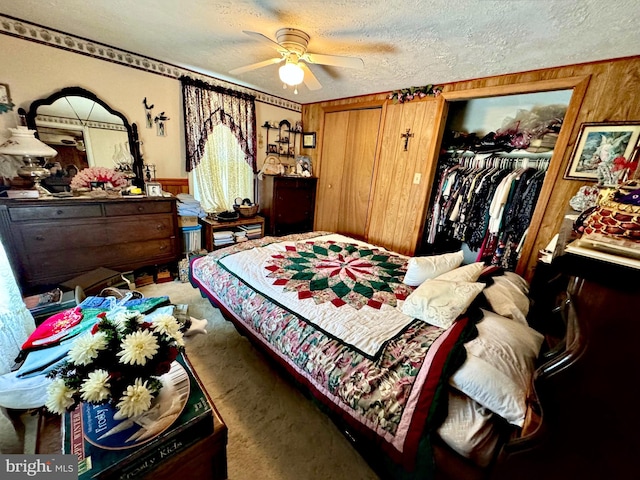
x=86, y=132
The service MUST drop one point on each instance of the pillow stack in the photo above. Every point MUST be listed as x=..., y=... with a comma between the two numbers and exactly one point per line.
x=445, y=290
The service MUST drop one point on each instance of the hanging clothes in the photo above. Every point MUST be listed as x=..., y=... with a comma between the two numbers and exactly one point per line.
x=486, y=203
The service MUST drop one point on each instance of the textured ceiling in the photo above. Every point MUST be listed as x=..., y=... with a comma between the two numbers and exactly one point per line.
x=403, y=43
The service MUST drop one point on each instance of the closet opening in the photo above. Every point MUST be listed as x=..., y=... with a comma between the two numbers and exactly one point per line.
x=493, y=159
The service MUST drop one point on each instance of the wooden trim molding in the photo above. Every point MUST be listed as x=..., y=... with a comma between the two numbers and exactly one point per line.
x=174, y=185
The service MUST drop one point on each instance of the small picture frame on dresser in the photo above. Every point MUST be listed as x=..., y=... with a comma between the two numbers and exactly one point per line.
x=153, y=189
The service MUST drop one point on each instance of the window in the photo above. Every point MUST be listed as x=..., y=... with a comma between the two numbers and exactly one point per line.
x=223, y=173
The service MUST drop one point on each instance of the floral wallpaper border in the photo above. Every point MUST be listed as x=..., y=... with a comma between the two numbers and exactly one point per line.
x=54, y=38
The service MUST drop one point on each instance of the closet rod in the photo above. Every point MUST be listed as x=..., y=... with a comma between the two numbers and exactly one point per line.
x=514, y=154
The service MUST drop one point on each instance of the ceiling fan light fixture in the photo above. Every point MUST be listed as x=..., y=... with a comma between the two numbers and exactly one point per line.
x=291, y=74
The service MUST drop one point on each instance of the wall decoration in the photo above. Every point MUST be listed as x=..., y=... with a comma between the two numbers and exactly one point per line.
x=408, y=94
x=603, y=150
x=160, y=121
x=148, y=113
x=5, y=100
x=272, y=148
x=309, y=140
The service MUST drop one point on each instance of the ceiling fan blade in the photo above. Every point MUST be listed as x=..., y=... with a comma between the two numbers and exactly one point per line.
x=264, y=39
x=335, y=60
x=310, y=79
x=255, y=66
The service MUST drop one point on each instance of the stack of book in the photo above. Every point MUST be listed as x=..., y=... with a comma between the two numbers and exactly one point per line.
x=253, y=230
x=240, y=236
x=129, y=449
x=222, y=238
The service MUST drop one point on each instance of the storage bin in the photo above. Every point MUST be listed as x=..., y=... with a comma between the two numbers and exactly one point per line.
x=191, y=239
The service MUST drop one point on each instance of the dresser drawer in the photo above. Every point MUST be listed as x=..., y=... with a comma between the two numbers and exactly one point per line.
x=126, y=256
x=62, y=236
x=54, y=212
x=139, y=228
x=137, y=208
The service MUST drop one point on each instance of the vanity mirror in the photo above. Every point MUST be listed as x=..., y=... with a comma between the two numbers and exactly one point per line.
x=86, y=132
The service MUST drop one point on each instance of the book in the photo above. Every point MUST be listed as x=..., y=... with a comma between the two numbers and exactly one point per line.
x=109, y=449
x=67, y=300
x=41, y=301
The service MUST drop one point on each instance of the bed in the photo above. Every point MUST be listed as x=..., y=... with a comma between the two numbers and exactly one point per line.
x=424, y=361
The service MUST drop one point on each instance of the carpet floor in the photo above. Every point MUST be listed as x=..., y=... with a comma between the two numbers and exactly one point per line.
x=275, y=432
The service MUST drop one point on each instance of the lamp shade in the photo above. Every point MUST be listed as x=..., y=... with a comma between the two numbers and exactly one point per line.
x=291, y=73
x=23, y=143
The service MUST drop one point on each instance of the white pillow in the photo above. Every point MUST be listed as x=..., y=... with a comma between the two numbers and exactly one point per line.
x=499, y=366
x=508, y=296
x=470, y=429
x=440, y=302
x=420, y=269
x=466, y=273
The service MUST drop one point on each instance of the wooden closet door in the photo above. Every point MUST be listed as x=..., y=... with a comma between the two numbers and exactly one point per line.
x=397, y=201
x=348, y=156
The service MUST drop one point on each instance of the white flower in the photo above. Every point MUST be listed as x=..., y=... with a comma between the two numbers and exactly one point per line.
x=87, y=348
x=120, y=318
x=136, y=400
x=138, y=347
x=168, y=325
x=59, y=396
x=96, y=387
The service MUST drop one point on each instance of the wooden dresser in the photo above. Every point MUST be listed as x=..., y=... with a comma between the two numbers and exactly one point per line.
x=49, y=241
x=287, y=204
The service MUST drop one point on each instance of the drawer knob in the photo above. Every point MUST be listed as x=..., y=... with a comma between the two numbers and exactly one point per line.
x=140, y=208
x=160, y=226
x=163, y=247
x=59, y=212
x=39, y=238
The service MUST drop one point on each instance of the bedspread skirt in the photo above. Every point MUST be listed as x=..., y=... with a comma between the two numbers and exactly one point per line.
x=396, y=400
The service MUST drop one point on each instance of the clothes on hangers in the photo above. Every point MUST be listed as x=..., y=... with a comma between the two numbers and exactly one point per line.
x=487, y=202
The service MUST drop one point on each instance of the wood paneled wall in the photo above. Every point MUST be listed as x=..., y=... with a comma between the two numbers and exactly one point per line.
x=174, y=185
x=609, y=91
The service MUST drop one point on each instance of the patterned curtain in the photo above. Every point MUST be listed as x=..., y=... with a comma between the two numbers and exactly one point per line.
x=205, y=107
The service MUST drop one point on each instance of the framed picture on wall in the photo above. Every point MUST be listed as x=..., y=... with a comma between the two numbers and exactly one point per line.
x=5, y=99
x=309, y=140
x=600, y=145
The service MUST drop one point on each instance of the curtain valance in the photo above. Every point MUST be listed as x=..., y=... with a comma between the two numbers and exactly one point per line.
x=205, y=107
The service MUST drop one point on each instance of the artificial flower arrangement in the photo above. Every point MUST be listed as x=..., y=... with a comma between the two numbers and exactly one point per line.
x=119, y=363
x=108, y=176
x=408, y=94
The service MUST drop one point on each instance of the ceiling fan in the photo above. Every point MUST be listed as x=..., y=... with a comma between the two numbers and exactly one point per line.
x=292, y=44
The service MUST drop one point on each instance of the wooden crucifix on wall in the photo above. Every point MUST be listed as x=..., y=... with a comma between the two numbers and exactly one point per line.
x=406, y=137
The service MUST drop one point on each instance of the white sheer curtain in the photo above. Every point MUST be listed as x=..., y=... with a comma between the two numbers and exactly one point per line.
x=16, y=322
x=223, y=174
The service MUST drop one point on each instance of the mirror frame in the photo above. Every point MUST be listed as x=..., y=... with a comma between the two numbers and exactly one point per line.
x=132, y=129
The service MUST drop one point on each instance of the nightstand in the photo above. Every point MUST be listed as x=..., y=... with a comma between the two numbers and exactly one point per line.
x=209, y=226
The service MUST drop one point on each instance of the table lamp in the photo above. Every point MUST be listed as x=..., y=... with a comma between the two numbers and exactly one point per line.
x=23, y=144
